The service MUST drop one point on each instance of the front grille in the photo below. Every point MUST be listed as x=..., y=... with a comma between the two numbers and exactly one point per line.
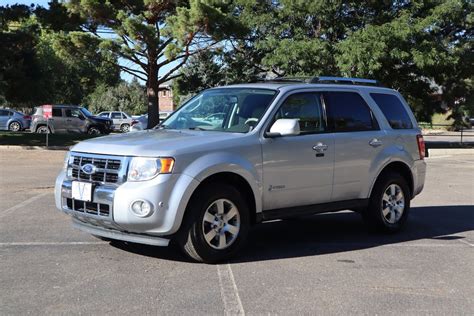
x=88, y=207
x=108, y=169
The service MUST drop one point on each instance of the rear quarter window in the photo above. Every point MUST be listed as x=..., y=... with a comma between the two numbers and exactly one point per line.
x=393, y=109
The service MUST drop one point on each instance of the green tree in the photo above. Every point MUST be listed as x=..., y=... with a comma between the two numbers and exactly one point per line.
x=150, y=35
x=425, y=49
x=127, y=97
x=41, y=64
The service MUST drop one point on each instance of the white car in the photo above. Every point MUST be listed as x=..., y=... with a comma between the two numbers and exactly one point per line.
x=122, y=121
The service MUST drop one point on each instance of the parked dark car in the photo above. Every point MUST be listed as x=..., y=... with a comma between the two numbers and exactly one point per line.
x=13, y=120
x=70, y=119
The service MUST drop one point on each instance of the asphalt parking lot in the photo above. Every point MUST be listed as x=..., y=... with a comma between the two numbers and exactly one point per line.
x=325, y=264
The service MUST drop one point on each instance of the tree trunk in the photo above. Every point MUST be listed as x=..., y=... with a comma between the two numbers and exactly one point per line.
x=153, y=97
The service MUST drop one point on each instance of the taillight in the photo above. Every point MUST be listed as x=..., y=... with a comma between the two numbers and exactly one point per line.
x=421, y=145
x=27, y=117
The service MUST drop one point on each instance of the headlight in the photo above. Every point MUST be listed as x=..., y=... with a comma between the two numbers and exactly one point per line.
x=142, y=168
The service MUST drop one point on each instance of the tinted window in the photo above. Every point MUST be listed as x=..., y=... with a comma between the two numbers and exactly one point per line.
x=116, y=115
x=57, y=113
x=73, y=113
x=306, y=107
x=393, y=110
x=4, y=113
x=347, y=112
x=106, y=114
x=124, y=116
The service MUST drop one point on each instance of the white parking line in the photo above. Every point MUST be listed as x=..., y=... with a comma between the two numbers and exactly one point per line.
x=229, y=292
x=23, y=204
x=59, y=243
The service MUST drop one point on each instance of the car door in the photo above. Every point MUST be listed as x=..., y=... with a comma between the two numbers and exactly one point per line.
x=4, y=117
x=298, y=170
x=57, y=123
x=357, y=139
x=74, y=120
x=117, y=119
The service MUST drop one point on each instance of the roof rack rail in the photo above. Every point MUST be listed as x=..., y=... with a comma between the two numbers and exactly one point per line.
x=326, y=79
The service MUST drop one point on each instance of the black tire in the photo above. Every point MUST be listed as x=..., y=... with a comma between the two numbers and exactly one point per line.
x=374, y=214
x=125, y=128
x=191, y=236
x=43, y=129
x=14, y=126
x=93, y=131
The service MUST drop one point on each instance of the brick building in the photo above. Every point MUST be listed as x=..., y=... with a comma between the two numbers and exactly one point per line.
x=165, y=96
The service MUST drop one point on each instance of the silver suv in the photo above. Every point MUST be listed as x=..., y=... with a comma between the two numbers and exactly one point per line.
x=275, y=150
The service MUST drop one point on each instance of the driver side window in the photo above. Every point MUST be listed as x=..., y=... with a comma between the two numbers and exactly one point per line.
x=306, y=107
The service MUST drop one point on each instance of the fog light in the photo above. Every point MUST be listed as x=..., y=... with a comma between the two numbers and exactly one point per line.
x=141, y=208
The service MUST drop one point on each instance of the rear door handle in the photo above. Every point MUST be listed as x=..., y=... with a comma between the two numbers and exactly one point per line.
x=375, y=142
x=320, y=147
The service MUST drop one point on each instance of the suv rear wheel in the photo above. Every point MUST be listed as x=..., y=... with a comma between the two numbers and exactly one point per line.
x=217, y=224
x=125, y=128
x=389, y=203
x=43, y=129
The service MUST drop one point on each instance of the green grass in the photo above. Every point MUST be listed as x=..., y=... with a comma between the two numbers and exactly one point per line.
x=33, y=139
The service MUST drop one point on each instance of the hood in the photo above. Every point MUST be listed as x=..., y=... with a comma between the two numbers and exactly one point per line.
x=152, y=143
x=99, y=119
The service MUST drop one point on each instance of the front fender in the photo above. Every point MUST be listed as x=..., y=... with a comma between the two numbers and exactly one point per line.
x=219, y=162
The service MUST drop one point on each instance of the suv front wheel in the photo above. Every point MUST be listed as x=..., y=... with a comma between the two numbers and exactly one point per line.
x=217, y=224
x=93, y=131
x=389, y=203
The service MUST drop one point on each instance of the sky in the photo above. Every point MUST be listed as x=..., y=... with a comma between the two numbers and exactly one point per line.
x=44, y=3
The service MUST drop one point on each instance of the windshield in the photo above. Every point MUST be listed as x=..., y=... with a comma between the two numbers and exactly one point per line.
x=86, y=112
x=225, y=110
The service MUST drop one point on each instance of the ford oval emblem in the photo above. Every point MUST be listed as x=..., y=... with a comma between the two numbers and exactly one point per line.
x=88, y=168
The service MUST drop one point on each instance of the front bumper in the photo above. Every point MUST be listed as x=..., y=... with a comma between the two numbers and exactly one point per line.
x=109, y=214
x=119, y=235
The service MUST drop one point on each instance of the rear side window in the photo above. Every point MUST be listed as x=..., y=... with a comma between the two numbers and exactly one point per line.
x=116, y=115
x=4, y=113
x=393, y=110
x=348, y=112
x=57, y=113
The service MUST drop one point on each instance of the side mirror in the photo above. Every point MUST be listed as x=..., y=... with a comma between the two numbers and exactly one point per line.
x=284, y=127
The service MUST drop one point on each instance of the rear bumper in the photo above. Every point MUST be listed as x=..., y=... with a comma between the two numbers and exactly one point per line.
x=419, y=174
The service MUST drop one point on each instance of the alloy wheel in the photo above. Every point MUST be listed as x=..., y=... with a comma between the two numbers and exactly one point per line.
x=221, y=224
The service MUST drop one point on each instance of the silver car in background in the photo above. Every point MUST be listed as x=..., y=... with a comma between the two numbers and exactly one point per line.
x=13, y=120
x=121, y=120
x=140, y=123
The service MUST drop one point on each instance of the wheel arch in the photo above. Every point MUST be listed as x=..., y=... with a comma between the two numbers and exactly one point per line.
x=400, y=167
x=238, y=182
x=15, y=121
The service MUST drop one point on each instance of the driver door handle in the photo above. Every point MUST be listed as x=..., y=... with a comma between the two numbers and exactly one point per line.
x=375, y=142
x=320, y=147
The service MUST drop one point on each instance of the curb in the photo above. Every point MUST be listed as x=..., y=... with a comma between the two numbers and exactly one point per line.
x=434, y=152
x=17, y=147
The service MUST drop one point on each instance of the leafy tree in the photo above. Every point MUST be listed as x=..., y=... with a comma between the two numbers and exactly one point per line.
x=426, y=49
x=127, y=97
x=422, y=48
x=41, y=65
x=151, y=35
